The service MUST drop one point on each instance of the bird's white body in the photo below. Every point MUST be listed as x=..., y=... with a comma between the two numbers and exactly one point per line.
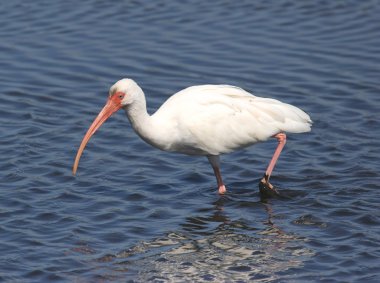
x=214, y=119
x=204, y=120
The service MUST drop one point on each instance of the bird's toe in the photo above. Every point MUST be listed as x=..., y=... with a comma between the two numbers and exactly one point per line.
x=222, y=190
x=267, y=189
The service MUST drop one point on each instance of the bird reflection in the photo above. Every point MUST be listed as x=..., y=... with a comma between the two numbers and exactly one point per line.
x=229, y=244
x=217, y=245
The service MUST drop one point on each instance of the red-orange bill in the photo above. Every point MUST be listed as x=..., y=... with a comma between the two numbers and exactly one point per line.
x=110, y=108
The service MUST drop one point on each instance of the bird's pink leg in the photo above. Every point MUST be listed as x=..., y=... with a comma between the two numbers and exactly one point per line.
x=281, y=138
x=215, y=163
x=221, y=187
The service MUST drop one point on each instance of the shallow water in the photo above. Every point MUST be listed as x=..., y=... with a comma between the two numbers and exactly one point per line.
x=135, y=213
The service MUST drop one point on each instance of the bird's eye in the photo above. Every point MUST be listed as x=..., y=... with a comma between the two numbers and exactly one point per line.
x=120, y=95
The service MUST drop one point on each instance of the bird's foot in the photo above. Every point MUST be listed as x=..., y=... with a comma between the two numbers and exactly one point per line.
x=222, y=189
x=267, y=189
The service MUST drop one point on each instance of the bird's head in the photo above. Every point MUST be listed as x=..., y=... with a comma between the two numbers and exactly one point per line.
x=122, y=94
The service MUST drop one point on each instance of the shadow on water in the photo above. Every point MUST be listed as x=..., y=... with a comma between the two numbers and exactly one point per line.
x=213, y=246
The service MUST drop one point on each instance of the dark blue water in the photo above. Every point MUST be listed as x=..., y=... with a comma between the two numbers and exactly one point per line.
x=136, y=213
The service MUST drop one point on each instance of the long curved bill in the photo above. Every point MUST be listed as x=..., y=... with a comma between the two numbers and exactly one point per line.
x=110, y=108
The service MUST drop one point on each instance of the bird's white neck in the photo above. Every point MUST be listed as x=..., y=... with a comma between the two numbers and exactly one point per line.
x=144, y=124
x=138, y=114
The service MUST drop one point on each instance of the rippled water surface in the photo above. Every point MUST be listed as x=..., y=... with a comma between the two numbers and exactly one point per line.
x=136, y=213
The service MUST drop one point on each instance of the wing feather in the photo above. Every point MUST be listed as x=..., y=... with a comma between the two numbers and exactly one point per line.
x=215, y=119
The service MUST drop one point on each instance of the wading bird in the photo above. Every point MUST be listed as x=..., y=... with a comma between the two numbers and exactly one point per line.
x=206, y=120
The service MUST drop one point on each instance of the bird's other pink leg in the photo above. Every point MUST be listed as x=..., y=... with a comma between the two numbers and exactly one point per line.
x=215, y=163
x=281, y=138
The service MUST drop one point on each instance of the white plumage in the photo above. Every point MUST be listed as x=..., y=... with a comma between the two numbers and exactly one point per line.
x=204, y=120
x=217, y=119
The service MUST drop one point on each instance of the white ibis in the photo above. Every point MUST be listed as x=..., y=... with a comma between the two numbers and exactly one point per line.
x=206, y=120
